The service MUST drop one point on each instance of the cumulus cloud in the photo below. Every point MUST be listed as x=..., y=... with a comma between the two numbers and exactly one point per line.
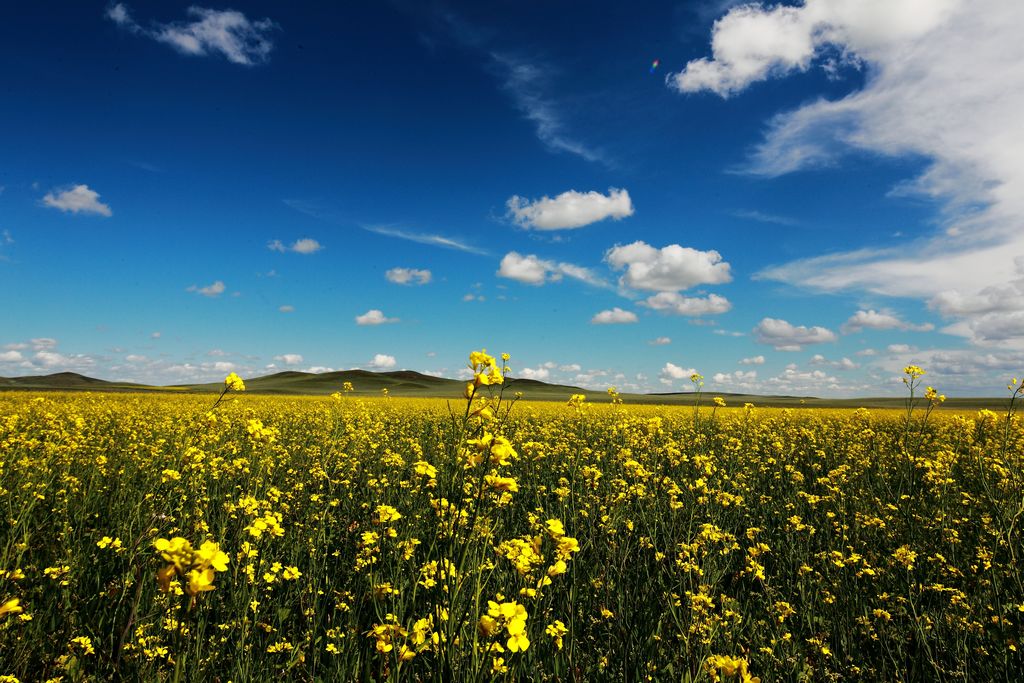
x=614, y=316
x=786, y=337
x=842, y=364
x=670, y=268
x=382, y=361
x=939, y=88
x=374, y=317
x=305, y=245
x=671, y=373
x=289, y=358
x=676, y=303
x=408, y=276
x=660, y=341
x=215, y=289
x=532, y=270
x=737, y=379
x=752, y=42
x=11, y=356
x=207, y=31
x=570, y=209
x=77, y=199
x=534, y=373
x=753, y=360
x=880, y=320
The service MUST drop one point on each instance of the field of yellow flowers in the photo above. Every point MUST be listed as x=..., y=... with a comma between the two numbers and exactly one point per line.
x=154, y=537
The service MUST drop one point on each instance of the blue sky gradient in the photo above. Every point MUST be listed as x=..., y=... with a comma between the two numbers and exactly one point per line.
x=152, y=152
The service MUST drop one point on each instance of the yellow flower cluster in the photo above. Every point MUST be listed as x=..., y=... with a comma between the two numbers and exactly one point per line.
x=197, y=566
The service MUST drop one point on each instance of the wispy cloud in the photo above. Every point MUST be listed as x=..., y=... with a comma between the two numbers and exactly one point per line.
x=424, y=238
x=320, y=211
x=207, y=31
x=525, y=81
x=939, y=90
x=763, y=217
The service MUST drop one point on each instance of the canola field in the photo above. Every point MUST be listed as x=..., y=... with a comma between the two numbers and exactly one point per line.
x=164, y=538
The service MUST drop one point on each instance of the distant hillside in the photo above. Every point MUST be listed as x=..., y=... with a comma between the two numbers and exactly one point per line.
x=411, y=383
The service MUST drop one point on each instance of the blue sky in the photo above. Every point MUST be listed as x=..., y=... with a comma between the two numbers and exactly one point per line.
x=798, y=199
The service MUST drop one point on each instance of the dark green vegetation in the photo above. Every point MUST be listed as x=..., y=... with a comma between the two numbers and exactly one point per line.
x=415, y=384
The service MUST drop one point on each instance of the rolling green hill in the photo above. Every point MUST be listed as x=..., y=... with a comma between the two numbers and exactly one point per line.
x=410, y=383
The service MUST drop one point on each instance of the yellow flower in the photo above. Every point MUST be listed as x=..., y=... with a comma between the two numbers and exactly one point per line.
x=199, y=581
x=12, y=606
x=234, y=383
x=502, y=483
x=84, y=645
x=291, y=573
x=385, y=514
x=557, y=630
x=518, y=643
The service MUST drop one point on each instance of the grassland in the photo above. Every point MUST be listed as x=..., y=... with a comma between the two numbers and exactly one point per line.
x=340, y=538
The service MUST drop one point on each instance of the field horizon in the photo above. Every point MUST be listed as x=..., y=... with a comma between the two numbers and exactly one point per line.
x=410, y=383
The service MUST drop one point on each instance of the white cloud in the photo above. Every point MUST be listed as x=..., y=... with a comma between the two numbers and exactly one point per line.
x=670, y=268
x=753, y=360
x=752, y=42
x=374, y=317
x=534, y=373
x=289, y=358
x=673, y=302
x=77, y=199
x=156, y=335
x=842, y=364
x=43, y=343
x=672, y=372
x=407, y=276
x=286, y=308
x=305, y=245
x=225, y=32
x=614, y=316
x=135, y=358
x=570, y=209
x=899, y=348
x=571, y=367
x=382, y=361
x=215, y=289
x=786, y=337
x=10, y=356
x=660, y=341
x=880, y=320
x=318, y=369
x=866, y=352
x=532, y=270
x=943, y=85
x=54, y=361
x=737, y=379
